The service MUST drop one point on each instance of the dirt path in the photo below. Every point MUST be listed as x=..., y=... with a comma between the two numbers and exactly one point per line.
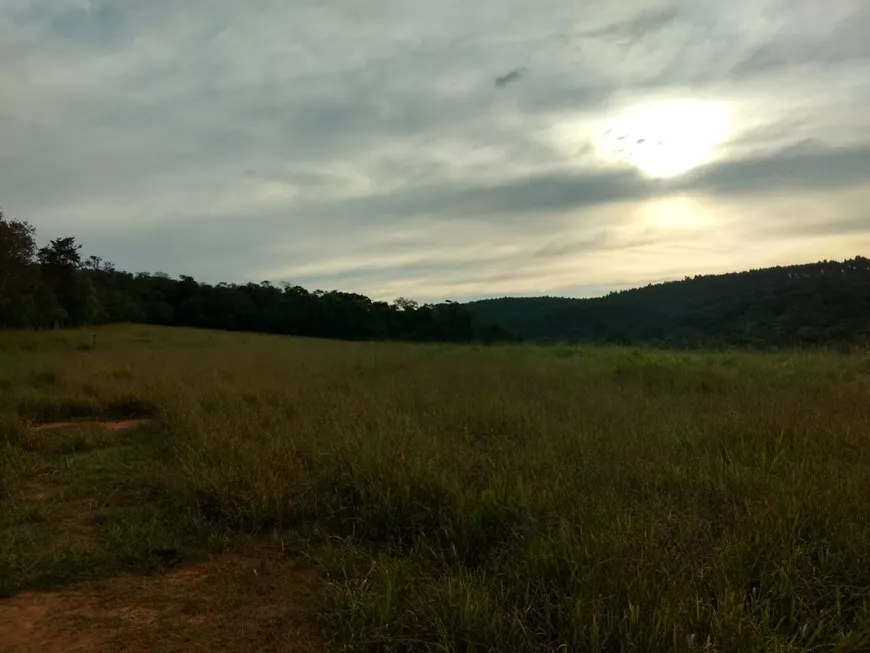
x=111, y=425
x=228, y=604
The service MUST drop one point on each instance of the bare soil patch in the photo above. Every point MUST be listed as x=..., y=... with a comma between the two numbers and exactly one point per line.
x=111, y=425
x=36, y=490
x=227, y=604
x=28, y=623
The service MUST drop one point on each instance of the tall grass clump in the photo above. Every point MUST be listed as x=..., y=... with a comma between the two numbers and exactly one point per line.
x=504, y=499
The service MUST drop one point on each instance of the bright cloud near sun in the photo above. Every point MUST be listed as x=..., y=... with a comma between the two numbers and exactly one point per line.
x=660, y=138
x=665, y=139
x=678, y=212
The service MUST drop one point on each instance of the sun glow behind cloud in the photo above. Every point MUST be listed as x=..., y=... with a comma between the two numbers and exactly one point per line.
x=665, y=139
x=674, y=213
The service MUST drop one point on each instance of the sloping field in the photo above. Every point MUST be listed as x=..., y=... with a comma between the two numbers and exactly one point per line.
x=182, y=490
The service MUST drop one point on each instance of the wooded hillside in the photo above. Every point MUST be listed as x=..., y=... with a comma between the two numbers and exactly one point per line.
x=819, y=303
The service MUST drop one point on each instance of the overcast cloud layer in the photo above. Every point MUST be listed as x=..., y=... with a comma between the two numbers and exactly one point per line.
x=448, y=149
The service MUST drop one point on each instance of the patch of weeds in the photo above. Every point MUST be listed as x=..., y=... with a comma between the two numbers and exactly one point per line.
x=367, y=596
x=464, y=608
x=56, y=408
x=71, y=407
x=34, y=513
x=152, y=537
x=44, y=379
x=123, y=373
x=84, y=347
x=14, y=431
x=89, y=389
x=8, y=473
x=129, y=406
x=483, y=531
x=35, y=554
x=105, y=473
x=6, y=385
x=14, y=513
x=76, y=442
x=398, y=515
x=110, y=512
x=25, y=564
x=78, y=438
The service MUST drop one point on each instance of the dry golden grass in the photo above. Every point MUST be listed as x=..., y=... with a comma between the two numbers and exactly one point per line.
x=470, y=498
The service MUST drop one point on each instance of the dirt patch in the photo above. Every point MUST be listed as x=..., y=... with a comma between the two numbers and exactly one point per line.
x=111, y=425
x=77, y=527
x=43, y=621
x=34, y=490
x=228, y=604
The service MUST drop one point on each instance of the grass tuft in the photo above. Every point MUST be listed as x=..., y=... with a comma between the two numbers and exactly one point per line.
x=15, y=431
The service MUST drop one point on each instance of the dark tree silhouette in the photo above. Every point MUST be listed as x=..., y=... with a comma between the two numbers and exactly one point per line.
x=17, y=250
x=819, y=303
x=18, y=274
x=62, y=289
x=802, y=305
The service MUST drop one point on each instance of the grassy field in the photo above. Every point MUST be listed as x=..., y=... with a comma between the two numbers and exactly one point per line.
x=290, y=494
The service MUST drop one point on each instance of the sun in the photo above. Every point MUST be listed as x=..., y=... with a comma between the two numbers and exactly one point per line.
x=664, y=139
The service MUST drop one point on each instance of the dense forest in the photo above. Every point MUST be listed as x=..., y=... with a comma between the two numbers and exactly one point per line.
x=53, y=286
x=799, y=305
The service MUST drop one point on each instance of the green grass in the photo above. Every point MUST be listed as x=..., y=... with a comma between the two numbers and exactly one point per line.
x=463, y=498
x=82, y=504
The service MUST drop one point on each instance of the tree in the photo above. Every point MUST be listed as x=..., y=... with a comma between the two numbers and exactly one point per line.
x=17, y=249
x=63, y=277
x=403, y=304
x=60, y=255
x=47, y=311
x=78, y=297
x=56, y=287
x=98, y=264
x=17, y=272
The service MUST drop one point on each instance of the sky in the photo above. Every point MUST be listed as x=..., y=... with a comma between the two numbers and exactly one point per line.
x=440, y=150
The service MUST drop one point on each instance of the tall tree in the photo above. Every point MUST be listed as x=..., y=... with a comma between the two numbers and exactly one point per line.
x=17, y=271
x=63, y=277
x=17, y=250
x=60, y=256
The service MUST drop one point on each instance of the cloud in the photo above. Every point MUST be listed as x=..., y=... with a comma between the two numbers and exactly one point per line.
x=804, y=166
x=639, y=25
x=385, y=147
x=810, y=34
x=512, y=76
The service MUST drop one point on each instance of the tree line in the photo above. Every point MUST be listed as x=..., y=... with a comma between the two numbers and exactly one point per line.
x=790, y=306
x=800, y=305
x=54, y=286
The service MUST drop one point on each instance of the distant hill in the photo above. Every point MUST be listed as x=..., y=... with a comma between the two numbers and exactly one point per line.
x=818, y=303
